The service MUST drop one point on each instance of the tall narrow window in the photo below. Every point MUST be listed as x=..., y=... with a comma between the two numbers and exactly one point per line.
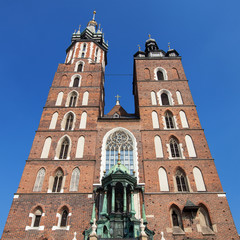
x=205, y=222
x=183, y=119
x=155, y=121
x=37, y=219
x=83, y=121
x=75, y=179
x=46, y=147
x=160, y=75
x=146, y=73
x=80, y=67
x=64, y=149
x=59, y=99
x=153, y=98
x=190, y=146
x=76, y=82
x=179, y=97
x=174, y=147
x=64, y=218
x=163, y=181
x=85, y=99
x=39, y=180
x=158, y=147
x=198, y=177
x=80, y=147
x=58, y=179
x=73, y=99
x=96, y=55
x=164, y=98
x=169, y=120
x=69, y=122
x=84, y=47
x=176, y=218
x=181, y=181
x=53, y=121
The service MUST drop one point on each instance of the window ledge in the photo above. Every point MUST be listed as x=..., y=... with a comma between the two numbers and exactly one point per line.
x=177, y=231
x=40, y=228
x=61, y=228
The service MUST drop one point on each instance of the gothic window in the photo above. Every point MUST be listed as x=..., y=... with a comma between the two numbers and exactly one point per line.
x=85, y=98
x=96, y=55
x=73, y=99
x=169, y=120
x=39, y=180
x=64, y=218
x=83, y=121
x=53, y=121
x=176, y=217
x=80, y=67
x=75, y=179
x=181, y=181
x=64, y=149
x=76, y=82
x=164, y=98
x=37, y=218
x=205, y=222
x=179, y=97
x=59, y=99
x=155, y=121
x=174, y=148
x=198, y=177
x=80, y=147
x=69, y=122
x=46, y=147
x=163, y=181
x=190, y=146
x=57, y=184
x=153, y=98
x=84, y=47
x=119, y=142
x=158, y=147
x=160, y=75
x=183, y=118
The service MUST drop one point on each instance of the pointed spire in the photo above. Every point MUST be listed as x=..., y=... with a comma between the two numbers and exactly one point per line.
x=118, y=101
x=94, y=13
x=78, y=32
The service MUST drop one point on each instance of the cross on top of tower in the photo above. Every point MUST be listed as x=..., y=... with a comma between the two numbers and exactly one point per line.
x=117, y=102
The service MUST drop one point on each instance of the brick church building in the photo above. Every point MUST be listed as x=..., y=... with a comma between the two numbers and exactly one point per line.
x=147, y=175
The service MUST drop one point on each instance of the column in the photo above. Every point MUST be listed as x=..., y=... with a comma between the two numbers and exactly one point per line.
x=113, y=199
x=124, y=199
x=104, y=208
x=132, y=204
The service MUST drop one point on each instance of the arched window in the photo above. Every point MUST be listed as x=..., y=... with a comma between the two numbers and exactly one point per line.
x=174, y=148
x=153, y=98
x=75, y=179
x=58, y=179
x=39, y=180
x=96, y=55
x=83, y=121
x=146, y=73
x=155, y=121
x=85, y=98
x=53, y=121
x=46, y=147
x=64, y=149
x=176, y=218
x=179, y=97
x=204, y=219
x=76, y=82
x=190, y=146
x=183, y=119
x=163, y=181
x=160, y=75
x=198, y=177
x=175, y=73
x=84, y=50
x=158, y=147
x=64, y=218
x=119, y=142
x=73, y=99
x=80, y=147
x=69, y=122
x=169, y=120
x=37, y=217
x=59, y=99
x=181, y=181
x=80, y=67
x=164, y=98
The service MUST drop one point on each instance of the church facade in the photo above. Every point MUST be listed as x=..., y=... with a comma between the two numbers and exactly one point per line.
x=147, y=175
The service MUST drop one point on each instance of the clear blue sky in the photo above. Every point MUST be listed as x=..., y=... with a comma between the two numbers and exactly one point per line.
x=35, y=34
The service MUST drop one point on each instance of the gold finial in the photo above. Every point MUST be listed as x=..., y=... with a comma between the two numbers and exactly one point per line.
x=79, y=27
x=119, y=158
x=139, y=48
x=149, y=35
x=169, y=46
x=94, y=13
x=75, y=31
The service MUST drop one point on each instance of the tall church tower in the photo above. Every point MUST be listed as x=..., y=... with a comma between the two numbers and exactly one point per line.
x=147, y=175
